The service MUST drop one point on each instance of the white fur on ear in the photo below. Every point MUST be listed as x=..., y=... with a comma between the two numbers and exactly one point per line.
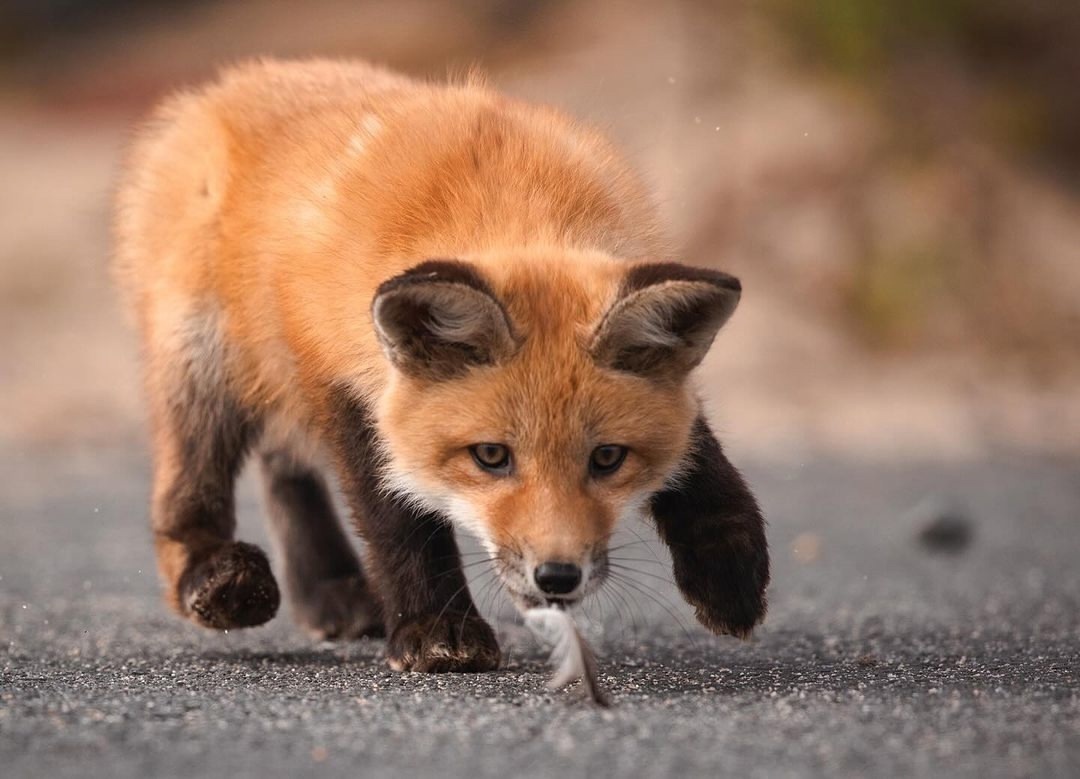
x=572, y=657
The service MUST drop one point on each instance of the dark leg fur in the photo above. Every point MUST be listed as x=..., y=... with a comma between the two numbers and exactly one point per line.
x=329, y=594
x=413, y=561
x=716, y=533
x=200, y=440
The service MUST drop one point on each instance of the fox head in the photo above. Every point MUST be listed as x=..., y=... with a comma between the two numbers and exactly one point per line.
x=538, y=403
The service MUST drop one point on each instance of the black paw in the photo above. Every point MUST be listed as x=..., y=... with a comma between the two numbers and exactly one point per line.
x=231, y=587
x=438, y=645
x=341, y=609
x=725, y=582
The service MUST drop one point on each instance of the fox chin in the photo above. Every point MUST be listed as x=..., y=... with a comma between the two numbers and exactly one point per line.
x=455, y=305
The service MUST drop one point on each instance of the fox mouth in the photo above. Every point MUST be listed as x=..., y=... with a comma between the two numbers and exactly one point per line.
x=533, y=601
x=529, y=600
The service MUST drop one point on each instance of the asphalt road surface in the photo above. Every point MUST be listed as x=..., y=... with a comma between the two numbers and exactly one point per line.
x=881, y=655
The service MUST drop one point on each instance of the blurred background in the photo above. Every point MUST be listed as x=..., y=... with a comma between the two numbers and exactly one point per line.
x=897, y=184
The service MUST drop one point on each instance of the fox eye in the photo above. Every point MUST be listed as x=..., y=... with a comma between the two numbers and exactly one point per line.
x=606, y=459
x=491, y=457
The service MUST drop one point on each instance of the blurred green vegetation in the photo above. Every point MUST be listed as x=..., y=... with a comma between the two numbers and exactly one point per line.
x=1020, y=59
x=948, y=78
x=861, y=37
x=891, y=291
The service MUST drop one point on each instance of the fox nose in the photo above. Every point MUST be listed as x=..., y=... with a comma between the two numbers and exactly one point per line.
x=557, y=578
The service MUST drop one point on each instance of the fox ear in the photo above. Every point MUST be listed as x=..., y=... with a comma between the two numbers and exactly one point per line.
x=439, y=319
x=664, y=319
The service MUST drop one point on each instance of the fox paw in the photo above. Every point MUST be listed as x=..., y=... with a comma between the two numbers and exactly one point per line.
x=728, y=599
x=341, y=609
x=231, y=587
x=450, y=643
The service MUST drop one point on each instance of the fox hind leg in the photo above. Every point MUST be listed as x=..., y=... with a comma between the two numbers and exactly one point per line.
x=324, y=580
x=201, y=437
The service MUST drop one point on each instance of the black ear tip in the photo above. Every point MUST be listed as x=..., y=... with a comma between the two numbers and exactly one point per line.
x=721, y=280
x=444, y=271
x=730, y=282
x=650, y=273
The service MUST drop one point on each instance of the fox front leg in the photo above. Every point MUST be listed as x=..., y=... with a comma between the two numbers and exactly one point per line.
x=711, y=522
x=413, y=561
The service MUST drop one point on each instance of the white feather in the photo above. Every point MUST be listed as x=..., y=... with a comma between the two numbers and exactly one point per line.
x=572, y=657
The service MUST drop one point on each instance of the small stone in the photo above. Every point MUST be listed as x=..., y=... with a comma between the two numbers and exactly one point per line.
x=949, y=532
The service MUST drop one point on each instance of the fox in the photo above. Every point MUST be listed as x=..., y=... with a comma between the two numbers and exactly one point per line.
x=456, y=306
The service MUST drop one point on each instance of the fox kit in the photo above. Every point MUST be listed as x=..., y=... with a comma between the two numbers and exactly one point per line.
x=457, y=302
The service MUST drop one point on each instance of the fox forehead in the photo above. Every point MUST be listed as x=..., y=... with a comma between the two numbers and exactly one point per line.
x=553, y=293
